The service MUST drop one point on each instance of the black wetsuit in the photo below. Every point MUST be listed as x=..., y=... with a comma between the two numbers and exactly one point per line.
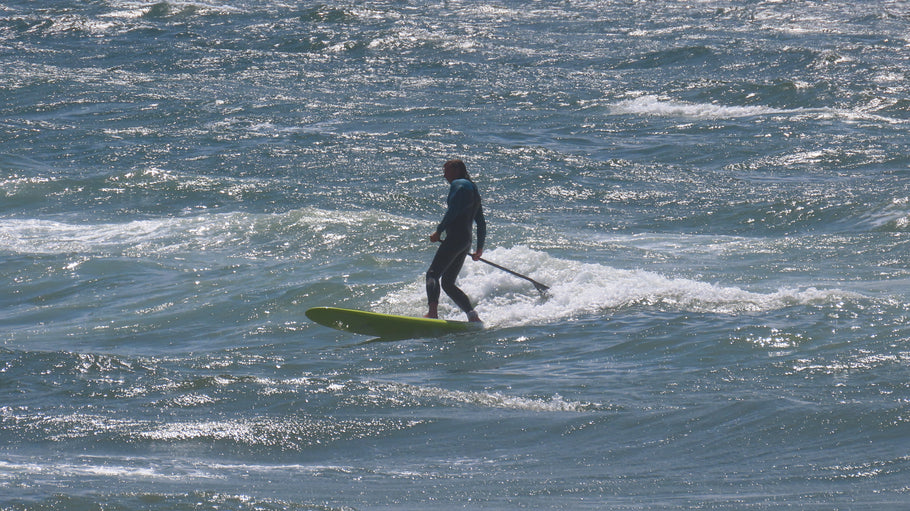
x=464, y=210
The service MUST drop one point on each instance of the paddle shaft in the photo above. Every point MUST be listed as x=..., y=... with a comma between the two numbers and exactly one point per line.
x=540, y=287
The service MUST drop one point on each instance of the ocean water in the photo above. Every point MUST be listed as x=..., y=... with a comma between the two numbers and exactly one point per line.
x=716, y=192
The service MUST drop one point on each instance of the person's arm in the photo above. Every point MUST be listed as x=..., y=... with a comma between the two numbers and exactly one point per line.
x=481, y=232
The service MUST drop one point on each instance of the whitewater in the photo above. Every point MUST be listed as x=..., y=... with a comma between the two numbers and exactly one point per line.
x=715, y=193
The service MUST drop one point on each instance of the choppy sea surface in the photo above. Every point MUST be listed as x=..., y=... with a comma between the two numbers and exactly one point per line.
x=716, y=192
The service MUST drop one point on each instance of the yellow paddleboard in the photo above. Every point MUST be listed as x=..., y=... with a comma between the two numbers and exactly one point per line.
x=387, y=326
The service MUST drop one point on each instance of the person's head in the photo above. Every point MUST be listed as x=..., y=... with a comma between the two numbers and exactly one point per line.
x=455, y=169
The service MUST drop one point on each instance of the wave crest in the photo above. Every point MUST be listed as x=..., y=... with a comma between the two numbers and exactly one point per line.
x=578, y=289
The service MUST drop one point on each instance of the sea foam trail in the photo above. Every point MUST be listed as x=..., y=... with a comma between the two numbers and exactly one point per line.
x=190, y=234
x=580, y=289
x=652, y=105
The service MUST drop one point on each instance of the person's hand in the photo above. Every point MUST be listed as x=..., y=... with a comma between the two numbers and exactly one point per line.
x=435, y=237
x=476, y=255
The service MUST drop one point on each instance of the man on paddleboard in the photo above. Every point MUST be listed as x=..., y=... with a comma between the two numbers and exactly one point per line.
x=463, y=211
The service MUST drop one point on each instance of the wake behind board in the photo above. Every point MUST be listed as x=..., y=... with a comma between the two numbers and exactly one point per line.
x=387, y=326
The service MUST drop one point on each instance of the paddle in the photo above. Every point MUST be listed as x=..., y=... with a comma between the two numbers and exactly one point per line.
x=540, y=287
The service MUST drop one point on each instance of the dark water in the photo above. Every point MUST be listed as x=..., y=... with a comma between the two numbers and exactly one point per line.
x=715, y=191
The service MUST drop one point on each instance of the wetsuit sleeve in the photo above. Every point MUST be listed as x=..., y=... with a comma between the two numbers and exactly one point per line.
x=481, y=227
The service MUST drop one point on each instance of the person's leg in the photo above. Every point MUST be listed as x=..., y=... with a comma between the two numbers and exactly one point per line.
x=448, y=283
x=450, y=256
x=455, y=293
x=433, y=289
x=442, y=260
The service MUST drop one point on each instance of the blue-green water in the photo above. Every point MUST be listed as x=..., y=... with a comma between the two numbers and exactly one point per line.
x=715, y=191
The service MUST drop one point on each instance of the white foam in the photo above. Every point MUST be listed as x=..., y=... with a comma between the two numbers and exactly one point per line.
x=115, y=468
x=133, y=9
x=34, y=236
x=657, y=106
x=652, y=105
x=177, y=234
x=555, y=403
x=580, y=289
x=403, y=392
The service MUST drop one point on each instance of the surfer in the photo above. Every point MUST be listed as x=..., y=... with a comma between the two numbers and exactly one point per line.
x=463, y=211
